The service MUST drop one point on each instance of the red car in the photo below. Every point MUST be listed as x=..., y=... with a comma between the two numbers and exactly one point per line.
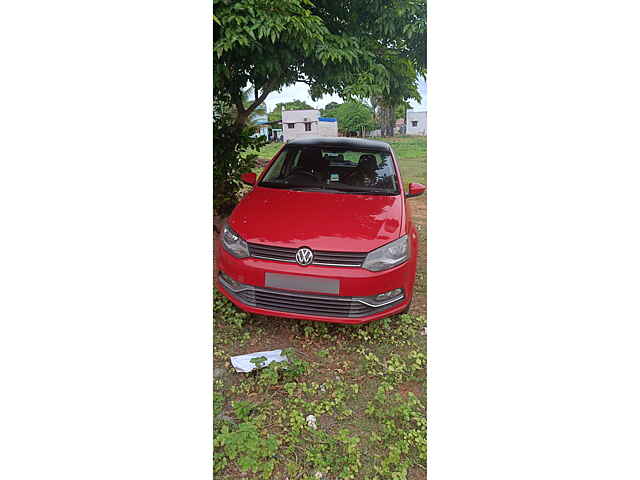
x=325, y=234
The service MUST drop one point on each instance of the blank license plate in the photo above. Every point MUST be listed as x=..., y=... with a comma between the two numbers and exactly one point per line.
x=301, y=284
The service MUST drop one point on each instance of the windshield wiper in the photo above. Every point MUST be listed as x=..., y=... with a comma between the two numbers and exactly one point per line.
x=314, y=189
x=367, y=192
x=273, y=185
x=321, y=188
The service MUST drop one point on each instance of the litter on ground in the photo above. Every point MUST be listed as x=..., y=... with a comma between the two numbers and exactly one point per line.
x=311, y=421
x=244, y=363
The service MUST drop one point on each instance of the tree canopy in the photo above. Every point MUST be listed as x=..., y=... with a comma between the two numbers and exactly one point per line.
x=359, y=49
x=356, y=49
x=352, y=117
x=401, y=110
x=329, y=106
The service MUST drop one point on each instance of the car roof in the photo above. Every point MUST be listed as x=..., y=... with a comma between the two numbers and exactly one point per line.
x=341, y=142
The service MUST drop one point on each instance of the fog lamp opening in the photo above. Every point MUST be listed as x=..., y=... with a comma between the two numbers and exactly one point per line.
x=388, y=295
x=383, y=298
x=229, y=282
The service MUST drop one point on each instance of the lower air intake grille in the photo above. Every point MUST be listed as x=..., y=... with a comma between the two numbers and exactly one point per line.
x=320, y=305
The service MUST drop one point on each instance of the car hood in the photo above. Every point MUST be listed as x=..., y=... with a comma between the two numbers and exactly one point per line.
x=321, y=221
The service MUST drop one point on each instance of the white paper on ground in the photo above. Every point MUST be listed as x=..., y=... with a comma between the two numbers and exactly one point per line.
x=242, y=363
x=311, y=421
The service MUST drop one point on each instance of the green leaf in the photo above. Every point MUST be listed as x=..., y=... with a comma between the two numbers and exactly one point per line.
x=258, y=361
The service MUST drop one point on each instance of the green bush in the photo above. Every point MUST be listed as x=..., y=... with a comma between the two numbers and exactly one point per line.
x=247, y=448
x=233, y=154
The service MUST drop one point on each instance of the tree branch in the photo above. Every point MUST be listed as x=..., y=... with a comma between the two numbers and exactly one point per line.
x=244, y=113
x=266, y=90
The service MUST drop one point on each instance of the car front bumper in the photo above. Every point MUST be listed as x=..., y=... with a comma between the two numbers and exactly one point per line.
x=349, y=305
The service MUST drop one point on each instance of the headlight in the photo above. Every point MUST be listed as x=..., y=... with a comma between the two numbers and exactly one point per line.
x=233, y=243
x=389, y=256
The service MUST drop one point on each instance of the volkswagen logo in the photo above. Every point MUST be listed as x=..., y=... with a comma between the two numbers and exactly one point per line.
x=304, y=256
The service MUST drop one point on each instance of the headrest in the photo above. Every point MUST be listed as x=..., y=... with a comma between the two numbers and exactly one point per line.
x=323, y=163
x=311, y=158
x=368, y=162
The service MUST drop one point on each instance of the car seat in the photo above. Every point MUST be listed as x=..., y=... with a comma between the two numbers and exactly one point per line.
x=306, y=172
x=365, y=172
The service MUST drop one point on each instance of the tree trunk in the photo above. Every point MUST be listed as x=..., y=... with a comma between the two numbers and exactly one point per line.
x=387, y=120
x=241, y=120
x=392, y=119
x=383, y=121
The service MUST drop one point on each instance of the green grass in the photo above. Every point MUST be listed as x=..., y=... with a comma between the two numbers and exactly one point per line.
x=364, y=384
x=269, y=150
x=410, y=151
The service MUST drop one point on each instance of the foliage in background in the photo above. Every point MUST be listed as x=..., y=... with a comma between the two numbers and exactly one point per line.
x=400, y=29
x=328, y=107
x=233, y=154
x=352, y=117
x=401, y=110
x=273, y=44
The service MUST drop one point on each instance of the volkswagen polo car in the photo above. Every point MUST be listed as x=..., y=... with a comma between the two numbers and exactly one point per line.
x=325, y=234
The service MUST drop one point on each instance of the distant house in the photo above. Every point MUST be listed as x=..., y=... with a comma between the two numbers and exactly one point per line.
x=307, y=123
x=276, y=131
x=416, y=122
x=262, y=124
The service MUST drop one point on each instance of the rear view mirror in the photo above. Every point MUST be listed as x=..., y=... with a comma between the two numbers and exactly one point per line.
x=415, y=189
x=249, y=178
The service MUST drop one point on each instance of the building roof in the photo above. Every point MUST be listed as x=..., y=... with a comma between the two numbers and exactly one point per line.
x=341, y=142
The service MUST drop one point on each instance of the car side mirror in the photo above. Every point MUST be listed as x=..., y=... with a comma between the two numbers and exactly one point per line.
x=249, y=178
x=415, y=189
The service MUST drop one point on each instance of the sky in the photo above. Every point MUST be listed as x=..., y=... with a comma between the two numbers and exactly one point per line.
x=300, y=91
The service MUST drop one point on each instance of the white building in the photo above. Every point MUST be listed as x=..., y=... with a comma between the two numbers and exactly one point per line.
x=416, y=122
x=307, y=123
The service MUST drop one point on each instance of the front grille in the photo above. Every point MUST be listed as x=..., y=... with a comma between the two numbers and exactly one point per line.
x=272, y=253
x=320, y=257
x=319, y=305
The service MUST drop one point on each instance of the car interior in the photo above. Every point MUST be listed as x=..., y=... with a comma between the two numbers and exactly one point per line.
x=314, y=166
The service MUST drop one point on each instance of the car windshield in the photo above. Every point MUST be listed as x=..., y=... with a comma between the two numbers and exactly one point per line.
x=333, y=170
